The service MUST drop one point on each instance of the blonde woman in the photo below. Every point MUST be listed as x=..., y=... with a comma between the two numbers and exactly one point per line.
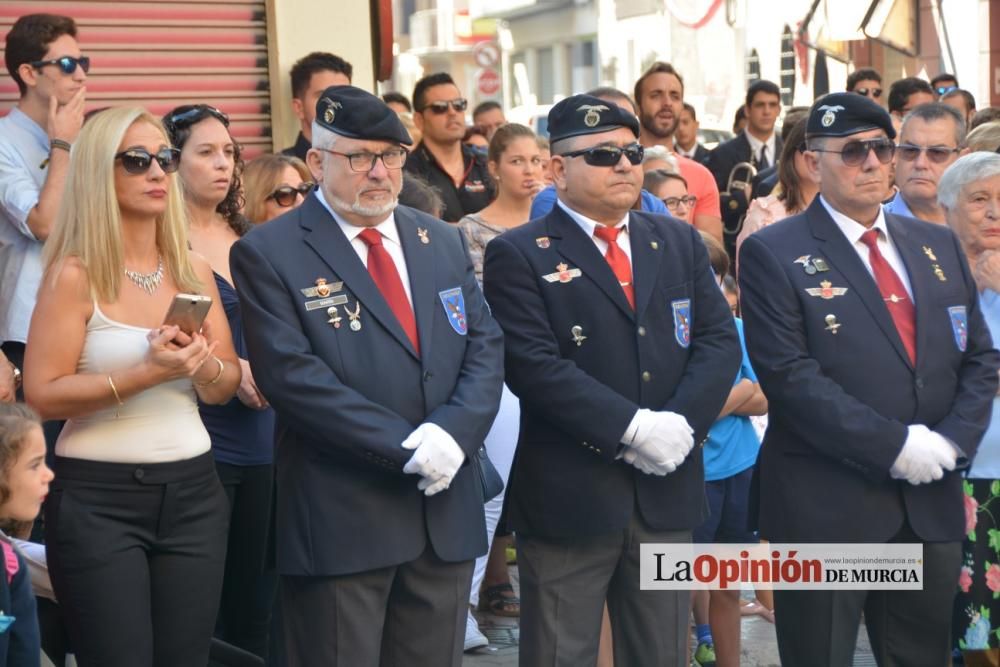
x=136, y=524
x=274, y=184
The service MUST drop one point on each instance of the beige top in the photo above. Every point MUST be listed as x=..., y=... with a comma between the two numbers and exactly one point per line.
x=478, y=233
x=762, y=212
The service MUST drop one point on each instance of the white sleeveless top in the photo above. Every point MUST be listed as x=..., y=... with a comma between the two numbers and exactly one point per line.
x=158, y=425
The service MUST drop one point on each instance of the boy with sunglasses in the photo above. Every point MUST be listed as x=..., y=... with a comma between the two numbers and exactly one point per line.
x=930, y=140
x=622, y=350
x=455, y=169
x=869, y=343
x=43, y=58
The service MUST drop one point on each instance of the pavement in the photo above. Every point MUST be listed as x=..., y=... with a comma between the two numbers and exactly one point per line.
x=758, y=645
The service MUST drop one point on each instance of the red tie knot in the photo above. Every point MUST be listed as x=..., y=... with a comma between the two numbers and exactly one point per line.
x=607, y=234
x=870, y=239
x=371, y=237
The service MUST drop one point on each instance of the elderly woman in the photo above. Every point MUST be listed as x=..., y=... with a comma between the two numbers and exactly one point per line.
x=969, y=192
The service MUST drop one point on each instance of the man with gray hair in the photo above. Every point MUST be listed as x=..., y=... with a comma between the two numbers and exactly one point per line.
x=929, y=141
x=384, y=367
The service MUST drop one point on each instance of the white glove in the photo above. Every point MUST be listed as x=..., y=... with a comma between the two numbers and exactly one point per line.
x=437, y=457
x=662, y=441
x=924, y=457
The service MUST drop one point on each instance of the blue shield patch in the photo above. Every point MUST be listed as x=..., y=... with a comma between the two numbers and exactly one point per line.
x=682, y=321
x=454, y=307
x=959, y=326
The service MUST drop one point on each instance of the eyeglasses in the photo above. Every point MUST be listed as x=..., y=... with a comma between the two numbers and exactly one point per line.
x=687, y=200
x=286, y=194
x=941, y=90
x=875, y=92
x=365, y=161
x=139, y=160
x=67, y=64
x=854, y=153
x=191, y=115
x=441, y=107
x=608, y=156
x=938, y=154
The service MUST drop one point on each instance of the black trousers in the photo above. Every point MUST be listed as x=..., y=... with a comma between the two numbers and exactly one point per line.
x=249, y=586
x=408, y=615
x=906, y=628
x=136, y=555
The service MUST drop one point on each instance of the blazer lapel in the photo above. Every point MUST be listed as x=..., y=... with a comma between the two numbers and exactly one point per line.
x=579, y=248
x=420, y=267
x=913, y=256
x=323, y=235
x=839, y=252
x=646, y=261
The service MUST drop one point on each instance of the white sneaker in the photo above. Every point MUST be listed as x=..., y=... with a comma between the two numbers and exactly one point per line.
x=473, y=637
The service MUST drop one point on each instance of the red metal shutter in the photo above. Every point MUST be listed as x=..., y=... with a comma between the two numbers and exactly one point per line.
x=166, y=53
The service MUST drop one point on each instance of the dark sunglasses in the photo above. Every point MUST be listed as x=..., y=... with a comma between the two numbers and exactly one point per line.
x=938, y=154
x=285, y=195
x=941, y=90
x=67, y=64
x=139, y=160
x=194, y=114
x=876, y=92
x=441, y=107
x=855, y=153
x=608, y=156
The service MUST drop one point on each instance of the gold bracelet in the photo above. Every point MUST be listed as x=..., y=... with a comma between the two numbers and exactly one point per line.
x=114, y=390
x=222, y=369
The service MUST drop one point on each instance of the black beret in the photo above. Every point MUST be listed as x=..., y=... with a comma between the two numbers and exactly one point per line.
x=585, y=114
x=842, y=114
x=355, y=113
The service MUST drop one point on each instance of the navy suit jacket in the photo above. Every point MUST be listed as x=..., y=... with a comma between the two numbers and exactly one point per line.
x=727, y=155
x=840, y=403
x=578, y=400
x=346, y=399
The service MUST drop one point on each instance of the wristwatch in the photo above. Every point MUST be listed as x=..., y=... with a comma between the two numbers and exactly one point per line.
x=17, y=376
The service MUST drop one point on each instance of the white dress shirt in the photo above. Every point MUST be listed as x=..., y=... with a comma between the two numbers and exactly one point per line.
x=755, y=144
x=853, y=231
x=390, y=241
x=588, y=225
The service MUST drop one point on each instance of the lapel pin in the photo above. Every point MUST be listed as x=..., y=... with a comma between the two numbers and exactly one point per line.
x=578, y=336
x=542, y=242
x=355, y=316
x=832, y=324
x=820, y=264
x=654, y=245
x=826, y=290
x=939, y=273
x=806, y=266
x=335, y=318
x=563, y=274
x=422, y=233
x=930, y=253
x=322, y=288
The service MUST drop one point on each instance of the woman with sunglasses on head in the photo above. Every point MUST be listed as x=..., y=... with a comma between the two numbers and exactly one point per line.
x=242, y=430
x=793, y=193
x=136, y=521
x=274, y=184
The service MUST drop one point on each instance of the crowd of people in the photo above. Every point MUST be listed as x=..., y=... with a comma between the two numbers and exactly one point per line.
x=429, y=345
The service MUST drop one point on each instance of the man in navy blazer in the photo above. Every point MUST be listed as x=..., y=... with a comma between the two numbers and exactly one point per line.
x=369, y=336
x=622, y=351
x=879, y=371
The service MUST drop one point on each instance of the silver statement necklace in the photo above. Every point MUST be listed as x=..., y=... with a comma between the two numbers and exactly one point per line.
x=147, y=282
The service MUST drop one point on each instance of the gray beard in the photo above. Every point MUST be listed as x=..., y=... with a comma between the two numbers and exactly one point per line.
x=357, y=209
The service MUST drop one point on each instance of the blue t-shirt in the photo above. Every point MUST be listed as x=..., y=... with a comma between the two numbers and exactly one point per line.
x=544, y=201
x=986, y=464
x=732, y=443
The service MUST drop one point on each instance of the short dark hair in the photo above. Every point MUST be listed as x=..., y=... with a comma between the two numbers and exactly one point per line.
x=901, y=90
x=741, y=114
x=483, y=107
x=967, y=98
x=983, y=116
x=690, y=109
x=29, y=39
x=417, y=193
x=943, y=76
x=398, y=98
x=429, y=81
x=317, y=61
x=859, y=75
x=659, y=67
x=762, y=86
x=937, y=111
x=606, y=92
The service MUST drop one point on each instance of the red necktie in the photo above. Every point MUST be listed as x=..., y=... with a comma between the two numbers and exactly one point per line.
x=386, y=277
x=894, y=294
x=618, y=260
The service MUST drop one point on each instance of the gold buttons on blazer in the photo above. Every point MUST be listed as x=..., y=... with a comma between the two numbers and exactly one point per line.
x=646, y=376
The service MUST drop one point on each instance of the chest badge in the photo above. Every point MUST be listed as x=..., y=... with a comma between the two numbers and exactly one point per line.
x=322, y=289
x=826, y=290
x=543, y=242
x=959, y=326
x=563, y=274
x=682, y=321
x=832, y=324
x=424, y=238
x=454, y=307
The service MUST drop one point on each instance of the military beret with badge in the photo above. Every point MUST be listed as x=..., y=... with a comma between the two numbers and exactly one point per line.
x=843, y=114
x=355, y=113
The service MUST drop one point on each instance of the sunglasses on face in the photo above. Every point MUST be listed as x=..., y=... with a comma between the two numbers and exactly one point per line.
x=686, y=200
x=938, y=154
x=941, y=90
x=192, y=115
x=365, y=161
x=854, y=153
x=67, y=64
x=286, y=194
x=875, y=92
x=441, y=107
x=608, y=156
x=139, y=160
